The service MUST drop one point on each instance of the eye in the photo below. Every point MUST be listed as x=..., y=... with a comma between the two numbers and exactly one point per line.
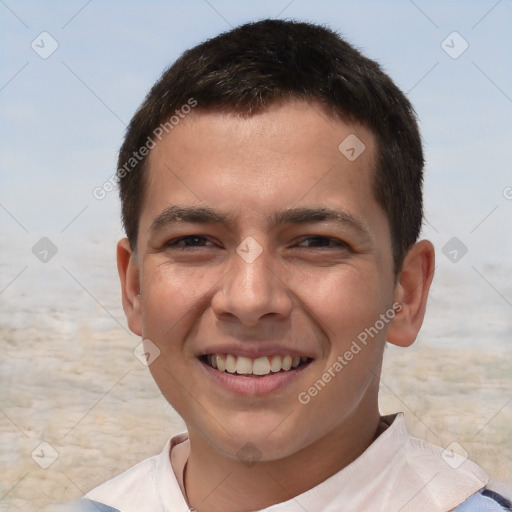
x=189, y=241
x=322, y=242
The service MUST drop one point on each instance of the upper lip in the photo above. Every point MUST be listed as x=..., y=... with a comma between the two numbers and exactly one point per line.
x=260, y=349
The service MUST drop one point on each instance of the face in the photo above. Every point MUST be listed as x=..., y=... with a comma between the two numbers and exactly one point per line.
x=261, y=246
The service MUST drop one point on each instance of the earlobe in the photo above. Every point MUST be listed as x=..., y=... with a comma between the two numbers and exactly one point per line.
x=128, y=269
x=411, y=292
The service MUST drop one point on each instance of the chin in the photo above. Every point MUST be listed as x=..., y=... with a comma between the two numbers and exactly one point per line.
x=258, y=441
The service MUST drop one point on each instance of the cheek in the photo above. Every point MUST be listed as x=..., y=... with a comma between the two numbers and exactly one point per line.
x=169, y=293
x=172, y=301
x=345, y=300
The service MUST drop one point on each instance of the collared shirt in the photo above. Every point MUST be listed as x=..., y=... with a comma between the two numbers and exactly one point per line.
x=397, y=472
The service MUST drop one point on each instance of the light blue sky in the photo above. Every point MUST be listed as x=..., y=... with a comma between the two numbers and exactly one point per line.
x=63, y=117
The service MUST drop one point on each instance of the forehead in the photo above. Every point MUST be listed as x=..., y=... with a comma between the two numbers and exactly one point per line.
x=287, y=155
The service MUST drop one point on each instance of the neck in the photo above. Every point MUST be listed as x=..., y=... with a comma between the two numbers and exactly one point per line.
x=215, y=482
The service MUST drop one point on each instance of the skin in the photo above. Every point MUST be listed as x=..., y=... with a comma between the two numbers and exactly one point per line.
x=310, y=294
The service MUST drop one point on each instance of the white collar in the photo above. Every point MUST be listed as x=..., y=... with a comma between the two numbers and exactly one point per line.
x=396, y=472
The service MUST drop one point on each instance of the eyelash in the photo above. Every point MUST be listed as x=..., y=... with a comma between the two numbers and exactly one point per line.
x=336, y=243
x=174, y=243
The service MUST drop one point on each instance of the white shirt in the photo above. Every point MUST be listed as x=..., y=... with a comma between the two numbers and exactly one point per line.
x=397, y=472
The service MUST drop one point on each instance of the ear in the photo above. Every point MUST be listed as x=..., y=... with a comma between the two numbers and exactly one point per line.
x=411, y=291
x=128, y=269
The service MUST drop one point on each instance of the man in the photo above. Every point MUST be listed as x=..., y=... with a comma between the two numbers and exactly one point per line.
x=271, y=193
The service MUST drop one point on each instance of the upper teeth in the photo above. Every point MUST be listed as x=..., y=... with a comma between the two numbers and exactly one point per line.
x=247, y=366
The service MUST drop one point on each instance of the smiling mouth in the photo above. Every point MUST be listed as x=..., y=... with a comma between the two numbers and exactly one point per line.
x=254, y=367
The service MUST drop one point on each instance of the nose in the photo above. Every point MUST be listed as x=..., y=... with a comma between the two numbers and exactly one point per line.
x=251, y=291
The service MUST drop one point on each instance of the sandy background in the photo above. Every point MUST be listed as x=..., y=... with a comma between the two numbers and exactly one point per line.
x=70, y=379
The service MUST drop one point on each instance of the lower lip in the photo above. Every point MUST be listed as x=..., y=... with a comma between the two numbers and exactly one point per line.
x=253, y=386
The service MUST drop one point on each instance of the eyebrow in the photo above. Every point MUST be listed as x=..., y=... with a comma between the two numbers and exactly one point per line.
x=196, y=214
x=304, y=215
x=300, y=215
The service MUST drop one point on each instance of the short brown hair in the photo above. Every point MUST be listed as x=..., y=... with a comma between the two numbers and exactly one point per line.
x=255, y=65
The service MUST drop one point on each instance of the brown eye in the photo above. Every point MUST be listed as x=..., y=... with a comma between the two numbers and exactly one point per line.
x=322, y=242
x=189, y=241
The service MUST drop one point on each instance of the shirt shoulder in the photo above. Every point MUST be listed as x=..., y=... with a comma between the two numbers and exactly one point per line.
x=86, y=505
x=134, y=487
x=149, y=486
x=485, y=501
